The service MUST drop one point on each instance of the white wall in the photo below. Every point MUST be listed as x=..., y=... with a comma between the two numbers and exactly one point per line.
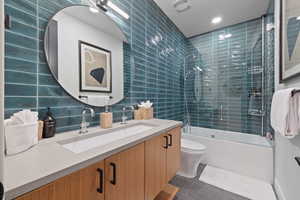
x=287, y=172
x=1, y=88
x=70, y=31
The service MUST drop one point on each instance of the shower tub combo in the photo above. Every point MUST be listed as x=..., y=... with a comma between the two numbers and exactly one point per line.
x=245, y=154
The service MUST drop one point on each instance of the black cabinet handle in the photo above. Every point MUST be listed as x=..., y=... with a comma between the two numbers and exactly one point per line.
x=167, y=142
x=171, y=140
x=101, y=180
x=114, y=167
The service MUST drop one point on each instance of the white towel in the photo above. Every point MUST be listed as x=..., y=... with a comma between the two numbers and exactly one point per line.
x=98, y=100
x=19, y=138
x=285, y=113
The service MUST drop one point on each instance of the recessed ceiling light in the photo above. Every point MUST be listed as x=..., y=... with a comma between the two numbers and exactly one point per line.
x=216, y=20
x=94, y=10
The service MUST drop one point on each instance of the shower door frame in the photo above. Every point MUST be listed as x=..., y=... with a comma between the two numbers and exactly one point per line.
x=263, y=75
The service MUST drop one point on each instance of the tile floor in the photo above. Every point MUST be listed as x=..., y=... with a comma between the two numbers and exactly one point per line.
x=193, y=189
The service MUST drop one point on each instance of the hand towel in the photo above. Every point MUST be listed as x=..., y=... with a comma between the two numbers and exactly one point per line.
x=284, y=113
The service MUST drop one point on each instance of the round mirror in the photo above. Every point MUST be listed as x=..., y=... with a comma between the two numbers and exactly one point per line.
x=84, y=51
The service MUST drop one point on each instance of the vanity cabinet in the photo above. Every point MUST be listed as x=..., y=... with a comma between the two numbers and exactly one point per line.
x=138, y=173
x=92, y=182
x=45, y=192
x=67, y=188
x=162, y=161
x=173, y=153
x=125, y=174
x=155, y=169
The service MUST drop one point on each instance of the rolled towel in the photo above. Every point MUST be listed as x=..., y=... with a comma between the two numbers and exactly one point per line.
x=285, y=114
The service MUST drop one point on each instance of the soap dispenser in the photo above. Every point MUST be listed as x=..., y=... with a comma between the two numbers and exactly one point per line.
x=106, y=118
x=49, y=125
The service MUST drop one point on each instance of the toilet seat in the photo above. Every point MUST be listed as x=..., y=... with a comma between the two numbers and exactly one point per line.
x=191, y=146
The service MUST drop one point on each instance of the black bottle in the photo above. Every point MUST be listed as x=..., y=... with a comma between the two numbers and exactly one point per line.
x=49, y=125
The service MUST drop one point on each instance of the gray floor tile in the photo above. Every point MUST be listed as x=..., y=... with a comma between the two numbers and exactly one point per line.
x=193, y=189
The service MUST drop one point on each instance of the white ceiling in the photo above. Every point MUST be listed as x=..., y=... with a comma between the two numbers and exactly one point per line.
x=98, y=20
x=197, y=20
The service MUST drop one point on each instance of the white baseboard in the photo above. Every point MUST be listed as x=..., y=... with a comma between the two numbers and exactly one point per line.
x=279, y=191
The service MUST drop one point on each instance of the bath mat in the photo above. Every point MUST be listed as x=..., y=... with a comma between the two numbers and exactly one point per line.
x=242, y=185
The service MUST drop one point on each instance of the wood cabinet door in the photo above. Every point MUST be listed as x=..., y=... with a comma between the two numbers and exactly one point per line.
x=173, y=153
x=44, y=193
x=155, y=166
x=92, y=182
x=66, y=188
x=124, y=175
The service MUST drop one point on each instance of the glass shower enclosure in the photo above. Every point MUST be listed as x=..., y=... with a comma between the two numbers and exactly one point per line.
x=228, y=81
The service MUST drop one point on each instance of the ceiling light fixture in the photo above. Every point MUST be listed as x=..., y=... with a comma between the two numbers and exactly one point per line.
x=216, y=20
x=118, y=10
x=103, y=4
x=298, y=18
x=181, y=5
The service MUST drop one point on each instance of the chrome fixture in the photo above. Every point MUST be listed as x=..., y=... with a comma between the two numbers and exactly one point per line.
x=124, y=117
x=102, y=4
x=84, y=125
x=181, y=5
x=105, y=4
x=221, y=113
x=192, y=71
x=271, y=26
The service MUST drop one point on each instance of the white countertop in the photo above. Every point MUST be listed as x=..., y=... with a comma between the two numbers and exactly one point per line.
x=49, y=161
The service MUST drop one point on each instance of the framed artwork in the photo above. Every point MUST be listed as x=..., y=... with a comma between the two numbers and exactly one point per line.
x=95, y=68
x=289, y=39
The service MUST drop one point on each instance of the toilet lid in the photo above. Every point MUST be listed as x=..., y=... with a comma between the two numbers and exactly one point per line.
x=191, y=145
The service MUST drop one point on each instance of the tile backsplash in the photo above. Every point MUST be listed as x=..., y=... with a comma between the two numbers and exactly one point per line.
x=153, y=62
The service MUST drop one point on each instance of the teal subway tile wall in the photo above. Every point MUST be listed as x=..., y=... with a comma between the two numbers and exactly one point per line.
x=153, y=70
x=233, y=90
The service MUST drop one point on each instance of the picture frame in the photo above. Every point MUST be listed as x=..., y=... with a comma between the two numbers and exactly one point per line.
x=95, y=68
x=289, y=39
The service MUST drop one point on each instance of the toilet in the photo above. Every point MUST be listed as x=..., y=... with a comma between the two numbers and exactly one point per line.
x=191, y=155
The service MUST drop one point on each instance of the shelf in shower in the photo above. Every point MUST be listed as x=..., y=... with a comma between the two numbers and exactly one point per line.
x=257, y=113
x=257, y=70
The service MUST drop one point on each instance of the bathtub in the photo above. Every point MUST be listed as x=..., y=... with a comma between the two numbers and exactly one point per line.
x=245, y=154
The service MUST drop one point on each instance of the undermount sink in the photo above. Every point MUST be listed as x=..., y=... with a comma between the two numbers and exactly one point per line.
x=87, y=142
